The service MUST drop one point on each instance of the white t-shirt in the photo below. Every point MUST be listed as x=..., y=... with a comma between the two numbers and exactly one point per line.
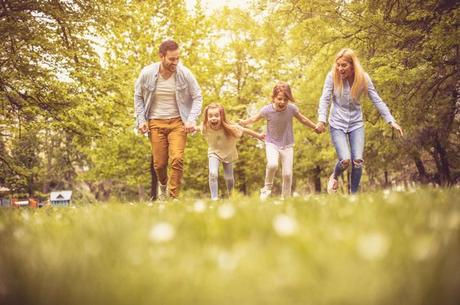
x=221, y=145
x=165, y=105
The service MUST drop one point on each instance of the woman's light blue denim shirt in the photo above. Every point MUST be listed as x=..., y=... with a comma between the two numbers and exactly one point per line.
x=346, y=114
x=188, y=93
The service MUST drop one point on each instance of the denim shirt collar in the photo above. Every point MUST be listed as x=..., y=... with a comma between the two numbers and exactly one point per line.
x=179, y=75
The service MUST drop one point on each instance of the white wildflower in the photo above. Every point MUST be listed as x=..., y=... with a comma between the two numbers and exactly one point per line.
x=162, y=232
x=199, y=206
x=284, y=225
x=226, y=211
x=373, y=246
x=227, y=261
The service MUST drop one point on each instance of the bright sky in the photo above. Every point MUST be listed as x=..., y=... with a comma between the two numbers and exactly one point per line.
x=211, y=5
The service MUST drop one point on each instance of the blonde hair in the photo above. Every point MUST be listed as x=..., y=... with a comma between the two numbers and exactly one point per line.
x=285, y=88
x=229, y=130
x=359, y=82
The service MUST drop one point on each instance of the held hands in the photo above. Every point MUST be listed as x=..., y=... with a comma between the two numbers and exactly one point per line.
x=320, y=127
x=261, y=136
x=143, y=128
x=397, y=127
x=189, y=127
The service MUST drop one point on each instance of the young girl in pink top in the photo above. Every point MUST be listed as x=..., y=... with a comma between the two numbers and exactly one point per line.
x=279, y=142
x=222, y=136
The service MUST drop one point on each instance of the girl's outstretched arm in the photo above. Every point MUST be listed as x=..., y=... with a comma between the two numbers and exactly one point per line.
x=250, y=120
x=252, y=133
x=304, y=120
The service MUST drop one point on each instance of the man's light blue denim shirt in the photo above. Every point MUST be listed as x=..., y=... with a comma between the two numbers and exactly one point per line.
x=188, y=93
x=346, y=114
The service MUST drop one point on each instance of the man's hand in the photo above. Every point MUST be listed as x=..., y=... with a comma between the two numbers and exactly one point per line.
x=190, y=127
x=143, y=128
x=320, y=127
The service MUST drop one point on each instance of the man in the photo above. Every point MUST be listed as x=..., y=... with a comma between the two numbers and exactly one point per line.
x=167, y=102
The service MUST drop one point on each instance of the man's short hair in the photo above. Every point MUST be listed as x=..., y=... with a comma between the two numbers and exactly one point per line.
x=168, y=45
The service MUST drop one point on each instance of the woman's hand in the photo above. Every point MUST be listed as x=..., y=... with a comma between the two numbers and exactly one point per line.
x=397, y=127
x=320, y=127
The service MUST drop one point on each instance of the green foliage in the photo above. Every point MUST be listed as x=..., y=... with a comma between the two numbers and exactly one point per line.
x=67, y=72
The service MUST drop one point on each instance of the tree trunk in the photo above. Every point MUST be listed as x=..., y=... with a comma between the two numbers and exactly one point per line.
x=425, y=178
x=317, y=178
x=140, y=192
x=443, y=166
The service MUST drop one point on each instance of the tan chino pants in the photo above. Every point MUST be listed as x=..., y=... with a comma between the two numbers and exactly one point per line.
x=168, y=139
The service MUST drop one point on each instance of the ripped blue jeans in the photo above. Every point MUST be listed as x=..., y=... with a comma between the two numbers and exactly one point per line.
x=349, y=147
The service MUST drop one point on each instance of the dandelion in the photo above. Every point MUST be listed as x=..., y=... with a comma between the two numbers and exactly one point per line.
x=284, y=225
x=162, y=232
x=373, y=246
x=226, y=211
x=199, y=206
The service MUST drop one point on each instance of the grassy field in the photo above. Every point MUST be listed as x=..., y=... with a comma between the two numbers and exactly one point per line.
x=379, y=248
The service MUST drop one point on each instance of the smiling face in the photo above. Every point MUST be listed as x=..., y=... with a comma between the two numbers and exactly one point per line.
x=214, y=118
x=170, y=60
x=280, y=101
x=345, y=69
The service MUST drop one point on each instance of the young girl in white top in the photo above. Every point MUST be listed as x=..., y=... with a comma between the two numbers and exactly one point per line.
x=222, y=136
x=279, y=140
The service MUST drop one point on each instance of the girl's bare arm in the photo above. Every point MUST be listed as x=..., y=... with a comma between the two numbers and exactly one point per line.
x=304, y=120
x=250, y=120
x=252, y=133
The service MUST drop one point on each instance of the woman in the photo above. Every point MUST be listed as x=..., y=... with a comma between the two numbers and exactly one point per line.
x=345, y=84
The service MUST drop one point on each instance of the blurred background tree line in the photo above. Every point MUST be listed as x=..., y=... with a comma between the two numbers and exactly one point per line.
x=67, y=71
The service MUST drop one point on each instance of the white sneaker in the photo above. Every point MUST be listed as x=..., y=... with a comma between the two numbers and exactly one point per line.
x=265, y=193
x=332, y=185
x=162, y=193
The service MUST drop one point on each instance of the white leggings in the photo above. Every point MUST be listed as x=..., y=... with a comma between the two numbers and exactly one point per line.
x=273, y=155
